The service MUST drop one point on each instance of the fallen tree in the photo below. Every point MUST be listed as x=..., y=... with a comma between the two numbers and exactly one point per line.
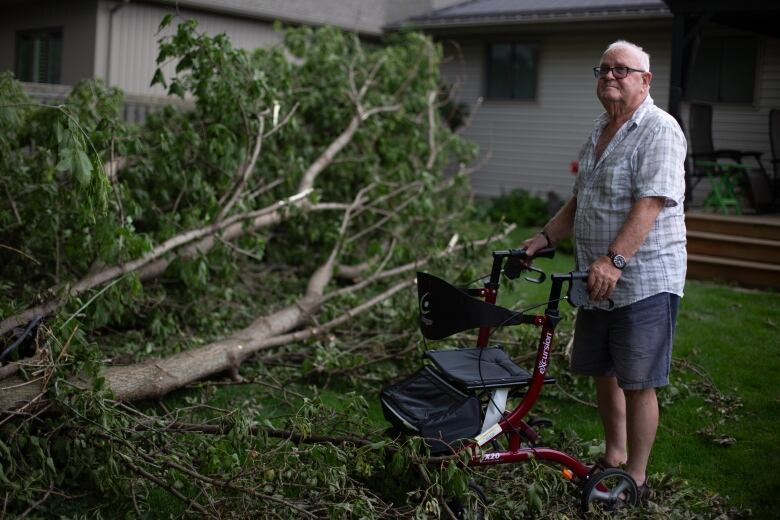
x=306, y=179
x=155, y=378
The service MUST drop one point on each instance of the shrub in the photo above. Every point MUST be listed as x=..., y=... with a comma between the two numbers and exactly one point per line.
x=518, y=207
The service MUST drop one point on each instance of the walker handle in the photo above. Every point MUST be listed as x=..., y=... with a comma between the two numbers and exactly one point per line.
x=518, y=261
x=547, y=252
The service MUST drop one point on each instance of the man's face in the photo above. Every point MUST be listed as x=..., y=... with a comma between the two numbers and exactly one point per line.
x=629, y=91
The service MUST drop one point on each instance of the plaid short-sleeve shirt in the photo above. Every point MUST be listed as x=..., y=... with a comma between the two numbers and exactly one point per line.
x=645, y=158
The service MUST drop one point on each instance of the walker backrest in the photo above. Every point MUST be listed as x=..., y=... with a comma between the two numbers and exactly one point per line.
x=446, y=310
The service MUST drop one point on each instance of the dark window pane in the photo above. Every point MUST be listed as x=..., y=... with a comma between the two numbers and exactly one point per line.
x=738, y=70
x=499, y=81
x=25, y=57
x=55, y=59
x=705, y=76
x=724, y=70
x=524, y=81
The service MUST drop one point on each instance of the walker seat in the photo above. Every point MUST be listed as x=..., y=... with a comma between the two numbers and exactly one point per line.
x=468, y=370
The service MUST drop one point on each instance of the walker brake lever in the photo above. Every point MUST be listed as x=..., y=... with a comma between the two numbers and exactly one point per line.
x=540, y=279
x=516, y=263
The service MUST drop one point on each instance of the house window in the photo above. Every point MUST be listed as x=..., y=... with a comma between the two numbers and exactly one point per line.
x=511, y=71
x=39, y=55
x=724, y=70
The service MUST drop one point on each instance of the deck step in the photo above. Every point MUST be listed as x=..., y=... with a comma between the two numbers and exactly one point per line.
x=760, y=275
x=767, y=228
x=732, y=246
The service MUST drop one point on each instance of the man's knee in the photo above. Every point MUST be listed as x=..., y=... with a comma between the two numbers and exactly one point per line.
x=641, y=395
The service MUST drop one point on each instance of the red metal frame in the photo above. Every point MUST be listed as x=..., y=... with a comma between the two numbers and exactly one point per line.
x=513, y=427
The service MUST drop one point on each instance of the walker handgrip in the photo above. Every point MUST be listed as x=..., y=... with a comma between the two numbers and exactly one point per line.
x=547, y=252
x=567, y=277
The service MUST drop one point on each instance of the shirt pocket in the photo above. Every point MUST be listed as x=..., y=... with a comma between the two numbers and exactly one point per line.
x=613, y=191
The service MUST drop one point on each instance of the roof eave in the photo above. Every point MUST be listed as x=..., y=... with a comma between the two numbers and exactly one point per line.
x=257, y=13
x=529, y=19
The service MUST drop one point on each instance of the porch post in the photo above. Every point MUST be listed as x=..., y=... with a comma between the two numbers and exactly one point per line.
x=676, y=88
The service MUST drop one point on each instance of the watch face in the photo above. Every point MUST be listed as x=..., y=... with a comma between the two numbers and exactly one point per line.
x=619, y=261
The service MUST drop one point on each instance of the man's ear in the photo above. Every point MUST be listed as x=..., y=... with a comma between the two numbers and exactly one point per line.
x=647, y=77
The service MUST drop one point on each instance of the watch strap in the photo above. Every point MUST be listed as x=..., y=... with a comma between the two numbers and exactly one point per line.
x=543, y=232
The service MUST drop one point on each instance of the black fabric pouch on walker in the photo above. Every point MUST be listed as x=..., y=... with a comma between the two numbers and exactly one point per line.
x=424, y=404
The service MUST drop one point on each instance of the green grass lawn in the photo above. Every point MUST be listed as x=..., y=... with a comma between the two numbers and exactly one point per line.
x=723, y=436
x=719, y=414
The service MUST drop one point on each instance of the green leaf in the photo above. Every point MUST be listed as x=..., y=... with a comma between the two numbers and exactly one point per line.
x=176, y=89
x=166, y=21
x=83, y=168
x=158, y=78
x=66, y=160
x=58, y=132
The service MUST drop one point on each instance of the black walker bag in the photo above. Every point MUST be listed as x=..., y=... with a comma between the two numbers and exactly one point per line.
x=425, y=404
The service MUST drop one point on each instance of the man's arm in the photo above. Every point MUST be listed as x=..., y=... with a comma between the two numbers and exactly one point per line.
x=603, y=275
x=559, y=227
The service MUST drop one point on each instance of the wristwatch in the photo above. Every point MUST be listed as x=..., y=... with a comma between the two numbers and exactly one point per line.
x=543, y=232
x=618, y=261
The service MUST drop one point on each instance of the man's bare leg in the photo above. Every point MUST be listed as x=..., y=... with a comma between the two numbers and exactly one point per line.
x=612, y=410
x=641, y=426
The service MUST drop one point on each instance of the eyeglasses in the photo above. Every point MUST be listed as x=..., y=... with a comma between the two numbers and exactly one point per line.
x=618, y=72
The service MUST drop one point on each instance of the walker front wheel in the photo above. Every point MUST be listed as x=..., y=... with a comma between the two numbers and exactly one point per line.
x=609, y=490
x=472, y=506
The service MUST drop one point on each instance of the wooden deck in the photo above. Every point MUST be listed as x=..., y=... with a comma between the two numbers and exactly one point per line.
x=742, y=249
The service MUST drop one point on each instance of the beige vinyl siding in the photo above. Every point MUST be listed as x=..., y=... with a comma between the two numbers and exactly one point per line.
x=248, y=24
x=134, y=41
x=530, y=144
x=363, y=16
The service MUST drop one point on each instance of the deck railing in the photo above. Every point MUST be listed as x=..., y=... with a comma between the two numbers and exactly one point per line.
x=137, y=107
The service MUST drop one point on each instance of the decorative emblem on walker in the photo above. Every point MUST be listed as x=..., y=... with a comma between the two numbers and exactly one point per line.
x=545, y=353
x=425, y=308
x=487, y=457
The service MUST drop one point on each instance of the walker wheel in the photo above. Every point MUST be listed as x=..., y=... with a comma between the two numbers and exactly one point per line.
x=540, y=422
x=609, y=489
x=472, y=506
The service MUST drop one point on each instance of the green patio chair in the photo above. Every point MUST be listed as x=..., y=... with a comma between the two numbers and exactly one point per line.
x=725, y=180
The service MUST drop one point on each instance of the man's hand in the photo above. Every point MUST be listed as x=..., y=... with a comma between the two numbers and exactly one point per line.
x=558, y=227
x=534, y=244
x=602, y=278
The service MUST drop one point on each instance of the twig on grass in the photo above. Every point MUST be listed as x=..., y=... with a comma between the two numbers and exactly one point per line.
x=164, y=485
x=37, y=504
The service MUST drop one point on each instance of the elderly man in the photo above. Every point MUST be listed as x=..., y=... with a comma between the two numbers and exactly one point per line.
x=629, y=230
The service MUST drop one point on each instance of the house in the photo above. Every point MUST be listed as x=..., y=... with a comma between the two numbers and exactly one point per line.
x=53, y=42
x=525, y=69
x=522, y=66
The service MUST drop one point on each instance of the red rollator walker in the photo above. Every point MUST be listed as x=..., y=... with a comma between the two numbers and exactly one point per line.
x=457, y=400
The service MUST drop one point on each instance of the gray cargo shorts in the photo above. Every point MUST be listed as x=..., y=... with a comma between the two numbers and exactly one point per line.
x=632, y=343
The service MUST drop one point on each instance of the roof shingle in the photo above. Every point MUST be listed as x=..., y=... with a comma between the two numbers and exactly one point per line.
x=503, y=11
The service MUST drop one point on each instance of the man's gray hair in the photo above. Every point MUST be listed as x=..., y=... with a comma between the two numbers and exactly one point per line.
x=644, y=58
